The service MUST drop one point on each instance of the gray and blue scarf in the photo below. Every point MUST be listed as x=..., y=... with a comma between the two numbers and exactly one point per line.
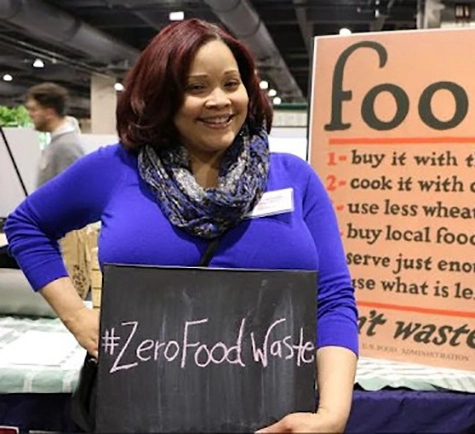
x=207, y=213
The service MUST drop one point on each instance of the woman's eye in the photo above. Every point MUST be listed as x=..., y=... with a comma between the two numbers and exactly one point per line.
x=232, y=84
x=195, y=87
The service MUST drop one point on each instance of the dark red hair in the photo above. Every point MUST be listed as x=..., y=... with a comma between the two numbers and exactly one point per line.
x=155, y=86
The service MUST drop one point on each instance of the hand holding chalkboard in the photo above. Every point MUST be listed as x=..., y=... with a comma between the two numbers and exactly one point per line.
x=204, y=350
x=84, y=325
x=304, y=423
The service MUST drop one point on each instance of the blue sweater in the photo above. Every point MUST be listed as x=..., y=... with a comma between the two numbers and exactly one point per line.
x=106, y=186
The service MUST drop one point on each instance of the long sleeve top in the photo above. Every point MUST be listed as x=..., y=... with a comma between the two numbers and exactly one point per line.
x=106, y=186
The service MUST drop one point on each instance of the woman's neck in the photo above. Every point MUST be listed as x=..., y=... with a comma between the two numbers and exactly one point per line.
x=205, y=168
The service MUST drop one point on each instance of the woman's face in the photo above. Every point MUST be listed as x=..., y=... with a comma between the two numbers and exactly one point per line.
x=215, y=101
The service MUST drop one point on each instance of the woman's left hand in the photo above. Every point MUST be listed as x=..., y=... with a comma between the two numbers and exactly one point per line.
x=320, y=422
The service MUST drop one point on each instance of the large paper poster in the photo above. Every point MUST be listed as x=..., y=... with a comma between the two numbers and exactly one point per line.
x=392, y=135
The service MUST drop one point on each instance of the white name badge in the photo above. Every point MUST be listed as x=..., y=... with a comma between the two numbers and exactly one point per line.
x=274, y=202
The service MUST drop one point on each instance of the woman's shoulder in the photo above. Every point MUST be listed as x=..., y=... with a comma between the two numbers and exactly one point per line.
x=111, y=150
x=292, y=170
x=289, y=163
x=112, y=154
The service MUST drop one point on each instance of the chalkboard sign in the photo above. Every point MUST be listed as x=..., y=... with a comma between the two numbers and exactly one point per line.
x=204, y=350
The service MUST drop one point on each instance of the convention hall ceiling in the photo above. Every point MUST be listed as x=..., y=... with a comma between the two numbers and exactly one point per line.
x=74, y=38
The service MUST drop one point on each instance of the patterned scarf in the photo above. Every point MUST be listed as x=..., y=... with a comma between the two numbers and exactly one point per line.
x=207, y=213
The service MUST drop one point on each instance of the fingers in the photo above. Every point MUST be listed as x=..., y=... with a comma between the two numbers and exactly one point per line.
x=95, y=349
x=275, y=428
x=89, y=340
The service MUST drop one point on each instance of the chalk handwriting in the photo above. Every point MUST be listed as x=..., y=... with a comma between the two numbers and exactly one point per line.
x=275, y=344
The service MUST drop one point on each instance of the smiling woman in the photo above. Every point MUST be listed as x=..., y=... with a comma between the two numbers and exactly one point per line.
x=193, y=167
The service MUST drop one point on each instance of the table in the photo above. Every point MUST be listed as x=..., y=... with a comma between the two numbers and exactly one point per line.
x=408, y=411
x=386, y=411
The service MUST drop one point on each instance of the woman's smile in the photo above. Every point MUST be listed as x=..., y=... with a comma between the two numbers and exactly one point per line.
x=217, y=122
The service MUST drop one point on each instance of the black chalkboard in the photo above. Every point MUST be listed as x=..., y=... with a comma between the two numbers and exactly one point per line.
x=204, y=350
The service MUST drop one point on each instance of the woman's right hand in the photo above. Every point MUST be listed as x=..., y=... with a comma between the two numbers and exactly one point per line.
x=84, y=325
x=81, y=321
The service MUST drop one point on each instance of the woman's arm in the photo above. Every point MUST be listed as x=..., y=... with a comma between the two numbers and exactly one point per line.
x=336, y=369
x=70, y=201
x=337, y=330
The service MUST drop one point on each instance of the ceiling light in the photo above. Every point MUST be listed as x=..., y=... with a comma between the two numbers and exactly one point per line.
x=345, y=31
x=272, y=92
x=177, y=16
x=38, y=63
x=276, y=100
x=7, y=77
x=264, y=85
x=119, y=87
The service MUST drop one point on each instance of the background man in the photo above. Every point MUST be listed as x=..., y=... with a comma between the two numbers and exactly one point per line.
x=47, y=104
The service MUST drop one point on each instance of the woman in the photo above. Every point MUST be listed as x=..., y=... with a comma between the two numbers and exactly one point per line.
x=192, y=162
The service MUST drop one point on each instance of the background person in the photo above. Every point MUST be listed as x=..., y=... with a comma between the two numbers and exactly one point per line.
x=47, y=104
